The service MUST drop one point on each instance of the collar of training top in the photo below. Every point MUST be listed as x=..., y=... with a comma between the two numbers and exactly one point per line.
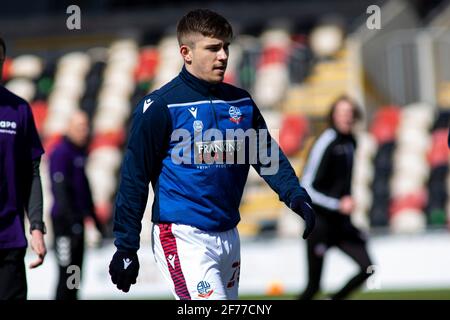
x=202, y=86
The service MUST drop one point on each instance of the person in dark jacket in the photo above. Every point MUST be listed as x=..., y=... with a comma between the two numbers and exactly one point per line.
x=327, y=178
x=72, y=202
x=189, y=139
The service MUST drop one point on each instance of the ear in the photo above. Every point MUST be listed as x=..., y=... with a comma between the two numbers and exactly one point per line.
x=186, y=53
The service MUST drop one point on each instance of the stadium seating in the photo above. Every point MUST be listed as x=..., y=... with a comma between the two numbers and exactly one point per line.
x=292, y=81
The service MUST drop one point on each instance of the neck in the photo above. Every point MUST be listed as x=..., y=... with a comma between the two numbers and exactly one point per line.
x=189, y=69
x=198, y=84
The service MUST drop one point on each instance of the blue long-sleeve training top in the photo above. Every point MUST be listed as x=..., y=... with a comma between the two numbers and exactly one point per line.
x=177, y=132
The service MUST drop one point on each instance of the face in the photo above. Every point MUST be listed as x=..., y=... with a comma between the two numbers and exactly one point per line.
x=343, y=117
x=206, y=57
x=78, y=130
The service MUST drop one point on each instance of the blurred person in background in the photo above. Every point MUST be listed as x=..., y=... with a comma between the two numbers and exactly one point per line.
x=196, y=207
x=327, y=178
x=20, y=191
x=73, y=203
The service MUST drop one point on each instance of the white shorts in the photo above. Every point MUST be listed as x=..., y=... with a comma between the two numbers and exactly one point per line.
x=198, y=264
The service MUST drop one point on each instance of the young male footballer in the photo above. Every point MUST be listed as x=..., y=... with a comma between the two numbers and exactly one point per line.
x=194, y=140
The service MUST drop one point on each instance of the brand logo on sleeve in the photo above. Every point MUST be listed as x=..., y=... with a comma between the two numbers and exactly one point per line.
x=147, y=103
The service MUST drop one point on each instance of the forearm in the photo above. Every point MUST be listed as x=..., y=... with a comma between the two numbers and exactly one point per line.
x=323, y=200
x=147, y=145
x=316, y=173
x=35, y=202
x=312, y=173
x=129, y=210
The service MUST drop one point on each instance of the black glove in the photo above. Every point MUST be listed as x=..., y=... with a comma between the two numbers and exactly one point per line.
x=304, y=209
x=124, y=269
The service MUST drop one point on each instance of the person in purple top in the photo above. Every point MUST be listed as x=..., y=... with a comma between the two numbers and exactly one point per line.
x=72, y=201
x=20, y=191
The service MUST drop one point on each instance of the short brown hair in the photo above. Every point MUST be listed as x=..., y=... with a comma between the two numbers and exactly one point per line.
x=203, y=21
x=357, y=112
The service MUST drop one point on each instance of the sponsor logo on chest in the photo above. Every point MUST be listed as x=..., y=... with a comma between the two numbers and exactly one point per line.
x=8, y=127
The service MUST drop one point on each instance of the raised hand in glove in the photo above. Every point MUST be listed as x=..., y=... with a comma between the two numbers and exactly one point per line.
x=124, y=269
x=303, y=208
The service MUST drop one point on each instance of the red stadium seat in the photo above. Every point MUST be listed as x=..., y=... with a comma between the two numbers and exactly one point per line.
x=115, y=139
x=390, y=114
x=39, y=109
x=299, y=39
x=439, y=152
x=7, y=69
x=274, y=54
x=385, y=123
x=146, y=67
x=415, y=200
x=293, y=130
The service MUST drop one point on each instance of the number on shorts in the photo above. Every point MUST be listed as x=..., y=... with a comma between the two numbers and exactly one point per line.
x=235, y=277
